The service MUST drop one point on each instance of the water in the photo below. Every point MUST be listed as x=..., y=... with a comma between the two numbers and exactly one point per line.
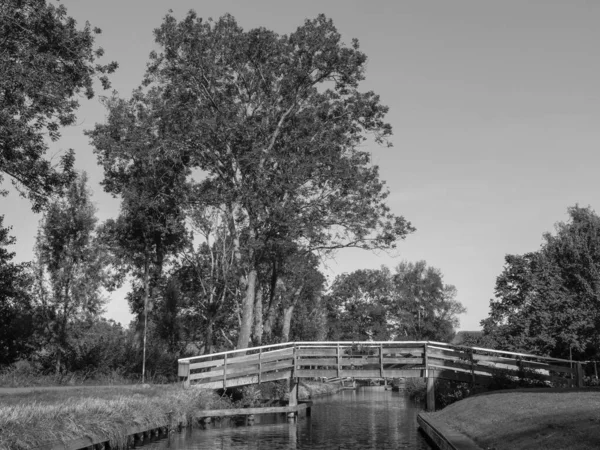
x=370, y=418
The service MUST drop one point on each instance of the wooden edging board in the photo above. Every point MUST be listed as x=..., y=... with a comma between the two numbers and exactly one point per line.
x=88, y=441
x=444, y=437
x=247, y=411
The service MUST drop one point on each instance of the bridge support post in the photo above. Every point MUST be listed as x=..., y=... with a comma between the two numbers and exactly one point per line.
x=183, y=371
x=579, y=375
x=293, y=391
x=430, y=393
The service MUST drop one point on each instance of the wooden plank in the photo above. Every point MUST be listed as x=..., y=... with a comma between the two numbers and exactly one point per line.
x=242, y=381
x=317, y=351
x=221, y=371
x=317, y=361
x=499, y=360
x=316, y=373
x=550, y=367
x=418, y=372
x=272, y=355
x=403, y=350
x=357, y=361
x=332, y=373
x=206, y=364
x=388, y=361
x=464, y=377
x=277, y=365
x=464, y=368
x=248, y=370
x=248, y=411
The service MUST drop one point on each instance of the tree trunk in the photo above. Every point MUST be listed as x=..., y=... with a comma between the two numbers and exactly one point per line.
x=247, y=310
x=208, y=338
x=146, y=298
x=287, y=321
x=272, y=310
x=258, y=317
x=288, y=311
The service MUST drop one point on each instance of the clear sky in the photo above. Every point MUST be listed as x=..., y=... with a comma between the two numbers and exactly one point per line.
x=495, y=107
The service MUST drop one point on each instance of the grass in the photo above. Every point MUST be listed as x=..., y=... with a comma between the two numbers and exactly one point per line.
x=536, y=418
x=24, y=374
x=33, y=419
x=312, y=389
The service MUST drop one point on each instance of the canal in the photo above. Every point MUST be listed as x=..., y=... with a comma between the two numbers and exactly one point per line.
x=368, y=418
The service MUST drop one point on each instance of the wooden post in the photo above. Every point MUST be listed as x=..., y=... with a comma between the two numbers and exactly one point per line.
x=425, y=361
x=293, y=392
x=430, y=393
x=259, y=365
x=183, y=371
x=430, y=382
x=225, y=371
x=338, y=361
x=295, y=360
x=579, y=375
x=381, y=360
x=472, y=369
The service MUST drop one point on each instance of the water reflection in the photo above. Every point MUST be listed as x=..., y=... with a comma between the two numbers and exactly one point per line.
x=370, y=418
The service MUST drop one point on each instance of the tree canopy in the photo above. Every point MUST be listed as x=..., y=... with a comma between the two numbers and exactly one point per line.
x=45, y=61
x=276, y=125
x=411, y=304
x=548, y=301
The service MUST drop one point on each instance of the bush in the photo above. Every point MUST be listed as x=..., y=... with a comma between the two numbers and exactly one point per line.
x=416, y=388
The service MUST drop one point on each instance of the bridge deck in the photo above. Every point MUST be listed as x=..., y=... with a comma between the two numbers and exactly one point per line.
x=402, y=359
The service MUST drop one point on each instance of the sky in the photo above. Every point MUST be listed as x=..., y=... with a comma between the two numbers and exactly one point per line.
x=494, y=105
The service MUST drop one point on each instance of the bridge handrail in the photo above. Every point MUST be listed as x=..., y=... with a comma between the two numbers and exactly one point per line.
x=239, y=350
x=505, y=352
x=352, y=343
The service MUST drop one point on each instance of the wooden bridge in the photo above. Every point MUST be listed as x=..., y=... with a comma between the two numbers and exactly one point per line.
x=371, y=360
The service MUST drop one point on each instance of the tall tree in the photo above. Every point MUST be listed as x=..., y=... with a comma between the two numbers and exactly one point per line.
x=430, y=309
x=16, y=311
x=71, y=266
x=45, y=62
x=359, y=306
x=411, y=304
x=548, y=301
x=208, y=278
x=276, y=124
x=147, y=169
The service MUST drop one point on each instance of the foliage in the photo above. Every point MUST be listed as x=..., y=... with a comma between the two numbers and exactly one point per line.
x=276, y=123
x=547, y=301
x=71, y=268
x=411, y=304
x=416, y=388
x=45, y=62
x=16, y=309
x=431, y=305
x=149, y=174
x=40, y=419
x=208, y=281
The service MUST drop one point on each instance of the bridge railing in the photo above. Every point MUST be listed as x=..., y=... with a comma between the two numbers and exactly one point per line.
x=385, y=359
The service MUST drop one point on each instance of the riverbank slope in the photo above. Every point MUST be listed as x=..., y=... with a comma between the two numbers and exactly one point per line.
x=35, y=417
x=528, y=418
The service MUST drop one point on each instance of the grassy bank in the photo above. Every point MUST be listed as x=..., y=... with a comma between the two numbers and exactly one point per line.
x=33, y=419
x=536, y=418
x=312, y=389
